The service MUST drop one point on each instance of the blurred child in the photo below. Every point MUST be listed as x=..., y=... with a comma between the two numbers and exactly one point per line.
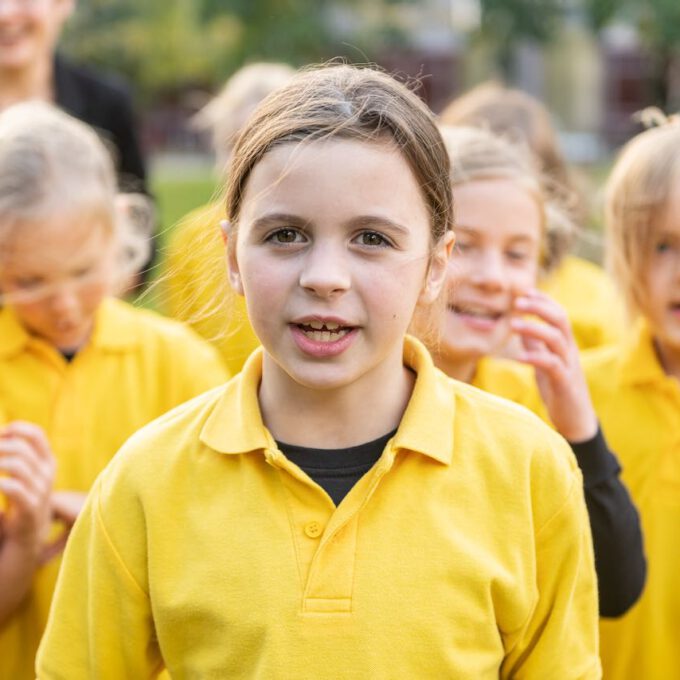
x=31, y=69
x=195, y=282
x=501, y=228
x=341, y=508
x=582, y=288
x=79, y=370
x=636, y=391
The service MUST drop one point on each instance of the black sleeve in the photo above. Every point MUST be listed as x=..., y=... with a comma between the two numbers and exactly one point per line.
x=131, y=168
x=617, y=536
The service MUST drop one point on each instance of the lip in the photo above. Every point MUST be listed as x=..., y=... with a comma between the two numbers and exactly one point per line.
x=320, y=349
x=478, y=323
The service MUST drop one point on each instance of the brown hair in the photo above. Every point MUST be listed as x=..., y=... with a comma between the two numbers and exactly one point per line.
x=524, y=120
x=347, y=102
x=635, y=202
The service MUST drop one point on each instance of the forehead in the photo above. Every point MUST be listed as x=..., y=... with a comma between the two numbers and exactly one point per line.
x=52, y=243
x=348, y=176
x=497, y=205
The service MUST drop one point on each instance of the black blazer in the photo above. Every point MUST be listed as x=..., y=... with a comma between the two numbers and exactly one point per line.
x=103, y=102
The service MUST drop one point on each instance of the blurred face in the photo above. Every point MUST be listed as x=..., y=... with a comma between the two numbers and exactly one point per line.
x=54, y=275
x=662, y=305
x=498, y=240
x=333, y=252
x=29, y=30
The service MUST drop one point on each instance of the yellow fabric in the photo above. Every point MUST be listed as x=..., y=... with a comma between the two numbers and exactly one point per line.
x=639, y=409
x=590, y=300
x=465, y=552
x=196, y=289
x=136, y=366
x=511, y=380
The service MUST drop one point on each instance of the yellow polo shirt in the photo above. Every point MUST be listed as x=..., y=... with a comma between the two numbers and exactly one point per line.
x=196, y=290
x=465, y=552
x=590, y=299
x=511, y=380
x=639, y=409
x=136, y=366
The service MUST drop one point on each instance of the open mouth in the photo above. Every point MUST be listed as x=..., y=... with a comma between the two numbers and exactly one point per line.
x=477, y=312
x=323, y=331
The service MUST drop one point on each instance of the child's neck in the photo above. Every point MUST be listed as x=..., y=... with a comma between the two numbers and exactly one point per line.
x=461, y=368
x=365, y=410
x=32, y=82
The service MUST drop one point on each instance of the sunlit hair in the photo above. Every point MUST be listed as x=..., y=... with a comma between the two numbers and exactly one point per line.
x=524, y=120
x=52, y=164
x=347, y=102
x=225, y=114
x=338, y=101
x=477, y=154
x=636, y=200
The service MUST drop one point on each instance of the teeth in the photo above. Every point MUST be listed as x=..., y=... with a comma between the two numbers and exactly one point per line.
x=319, y=325
x=325, y=336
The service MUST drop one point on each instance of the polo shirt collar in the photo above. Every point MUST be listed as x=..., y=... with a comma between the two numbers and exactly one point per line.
x=13, y=336
x=235, y=424
x=114, y=329
x=640, y=363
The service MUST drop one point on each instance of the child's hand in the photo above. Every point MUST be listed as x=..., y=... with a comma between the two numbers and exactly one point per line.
x=549, y=346
x=65, y=507
x=27, y=468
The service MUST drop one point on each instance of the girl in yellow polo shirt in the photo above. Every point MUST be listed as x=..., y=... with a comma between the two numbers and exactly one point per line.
x=79, y=370
x=636, y=391
x=340, y=508
x=501, y=216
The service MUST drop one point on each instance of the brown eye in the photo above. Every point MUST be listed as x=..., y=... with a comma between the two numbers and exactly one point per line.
x=371, y=238
x=285, y=236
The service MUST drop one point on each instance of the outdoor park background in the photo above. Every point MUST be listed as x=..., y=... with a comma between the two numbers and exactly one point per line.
x=593, y=62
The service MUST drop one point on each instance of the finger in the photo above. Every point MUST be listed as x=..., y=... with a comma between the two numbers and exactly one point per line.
x=545, y=362
x=66, y=505
x=55, y=547
x=545, y=308
x=551, y=337
x=15, y=448
x=18, y=468
x=33, y=434
x=17, y=493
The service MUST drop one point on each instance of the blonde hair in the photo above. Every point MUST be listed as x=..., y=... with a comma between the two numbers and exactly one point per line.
x=52, y=164
x=636, y=197
x=225, y=114
x=524, y=120
x=477, y=154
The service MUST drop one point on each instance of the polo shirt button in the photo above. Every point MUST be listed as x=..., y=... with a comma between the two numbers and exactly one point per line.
x=313, y=529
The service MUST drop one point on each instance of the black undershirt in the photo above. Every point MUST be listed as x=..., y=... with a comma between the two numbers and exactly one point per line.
x=336, y=471
x=614, y=521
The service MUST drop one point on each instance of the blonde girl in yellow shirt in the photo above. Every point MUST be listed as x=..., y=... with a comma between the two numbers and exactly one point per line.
x=490, y=299
x=340, y=508
x=79, y=370
x=636, y=390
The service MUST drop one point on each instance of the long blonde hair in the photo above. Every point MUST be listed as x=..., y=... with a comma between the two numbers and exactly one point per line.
x=636, y=196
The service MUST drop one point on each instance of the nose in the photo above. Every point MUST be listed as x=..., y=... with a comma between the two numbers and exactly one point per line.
x=488, y=270
x=64, y=303
x=325, y=272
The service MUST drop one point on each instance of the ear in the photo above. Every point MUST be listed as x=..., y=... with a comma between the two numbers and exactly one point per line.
x=232, y=262
x=436, y=273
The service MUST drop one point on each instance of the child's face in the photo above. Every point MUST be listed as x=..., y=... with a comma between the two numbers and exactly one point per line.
x=333, y=253
x=498, y=240
x=662, y=299
x=29, y=30
x=54, y=275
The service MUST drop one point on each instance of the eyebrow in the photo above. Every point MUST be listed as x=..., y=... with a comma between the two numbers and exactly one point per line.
x=474, y=232
x=363, y=221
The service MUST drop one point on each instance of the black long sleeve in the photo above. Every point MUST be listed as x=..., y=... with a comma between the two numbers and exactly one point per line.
x=615, y=524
